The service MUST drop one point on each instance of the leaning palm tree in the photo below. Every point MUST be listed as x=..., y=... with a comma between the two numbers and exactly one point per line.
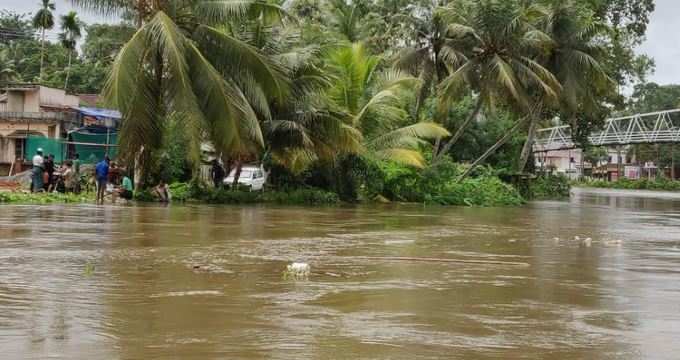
x=575, y=59
x=488, y=49
x=374, y=104
x=44, y=20
x=70, y=33
x=185, y=61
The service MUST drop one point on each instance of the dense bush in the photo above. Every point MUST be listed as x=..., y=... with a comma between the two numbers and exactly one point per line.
x=180, y=191
x=664, y=184
x=437, y=184
x=549, y=187
x=193, y=191
x=44, y=198
x=481, y=191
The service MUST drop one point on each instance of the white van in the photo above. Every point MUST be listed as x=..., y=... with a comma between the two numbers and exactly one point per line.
x=251, y=176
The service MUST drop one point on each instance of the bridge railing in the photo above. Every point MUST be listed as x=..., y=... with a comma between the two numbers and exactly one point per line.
x=656, y=127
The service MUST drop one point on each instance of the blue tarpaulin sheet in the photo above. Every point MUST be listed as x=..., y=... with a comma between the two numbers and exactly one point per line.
x=99, y=113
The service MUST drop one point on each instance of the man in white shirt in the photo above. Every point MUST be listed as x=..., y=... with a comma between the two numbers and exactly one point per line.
x=38, y=167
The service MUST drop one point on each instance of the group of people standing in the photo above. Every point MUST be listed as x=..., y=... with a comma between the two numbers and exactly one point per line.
x=109, y=179
x=47, y=178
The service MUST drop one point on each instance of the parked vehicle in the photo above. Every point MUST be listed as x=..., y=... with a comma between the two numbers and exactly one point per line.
x=252, y=176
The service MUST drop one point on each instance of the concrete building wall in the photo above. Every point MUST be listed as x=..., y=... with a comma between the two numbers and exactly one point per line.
x=7, y=150
x=15, y=101
x=9, y=128
x=57, y=97
x=31, y=101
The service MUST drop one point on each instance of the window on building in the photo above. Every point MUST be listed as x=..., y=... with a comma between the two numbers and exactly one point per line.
x=609, y=159
x=571, y=159
x=19, y=148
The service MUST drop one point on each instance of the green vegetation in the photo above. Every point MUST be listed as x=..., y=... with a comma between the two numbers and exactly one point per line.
x=549, y=187
x=438, y=185
x=193, y=192
x=362, y=99
x=44, y=198
x=662, y=184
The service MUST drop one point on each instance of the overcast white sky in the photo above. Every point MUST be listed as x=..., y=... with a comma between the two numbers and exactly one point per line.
x=663, y=35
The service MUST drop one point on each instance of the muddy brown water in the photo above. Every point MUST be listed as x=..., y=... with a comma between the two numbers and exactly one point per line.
x=205, y=282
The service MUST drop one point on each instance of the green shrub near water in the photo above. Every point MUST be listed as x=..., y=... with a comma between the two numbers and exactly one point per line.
x=662, y=184
x=44, y=198
x=306, y=196
x=438, y=185
x=550, y=187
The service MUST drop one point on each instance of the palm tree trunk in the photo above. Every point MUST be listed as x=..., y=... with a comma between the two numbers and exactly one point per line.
x=68, y=70
x=461, y=129
x=42, y=54
x=493, y=148
x=534, y=116
x=528, y=145
x=237, y=174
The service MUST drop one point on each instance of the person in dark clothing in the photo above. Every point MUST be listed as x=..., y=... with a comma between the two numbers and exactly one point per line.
x=101, y=172
x=217, y=173
x=49, y=169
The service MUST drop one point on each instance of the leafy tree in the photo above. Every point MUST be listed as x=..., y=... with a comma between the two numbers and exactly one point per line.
x=652, y=97
x=490, y=49
x=628, y=20
x=104, y=41
x=70, y=33
x=44, y=20
x=8, y=71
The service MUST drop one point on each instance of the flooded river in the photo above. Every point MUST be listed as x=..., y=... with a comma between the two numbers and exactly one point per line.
x=204, y=282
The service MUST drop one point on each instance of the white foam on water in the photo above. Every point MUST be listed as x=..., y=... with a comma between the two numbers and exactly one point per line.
x=188, y=293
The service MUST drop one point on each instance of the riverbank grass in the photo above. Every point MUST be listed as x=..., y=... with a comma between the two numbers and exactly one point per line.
x=7, y=197
x=660, y=184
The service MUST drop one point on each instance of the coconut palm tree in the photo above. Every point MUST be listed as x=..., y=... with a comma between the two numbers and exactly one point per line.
x=489, y=48
x=423, y=55
x=70, y=33
x=346, y=17
x=186, y=61
x=44, y=20
x=374, y=104
x=575, y=60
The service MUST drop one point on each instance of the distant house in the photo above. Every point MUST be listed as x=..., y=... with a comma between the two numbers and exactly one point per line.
x=571, y=163
x=35, y=110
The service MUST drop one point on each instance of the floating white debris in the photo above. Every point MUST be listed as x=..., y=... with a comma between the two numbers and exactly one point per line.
x=587, y=242
x=556, y=240
x=577, y=238
x=399, y=242
x=613, y=243
x=512, y=240
x=297, y=270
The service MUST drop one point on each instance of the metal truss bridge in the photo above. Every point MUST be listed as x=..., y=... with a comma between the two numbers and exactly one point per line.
x=651, y=128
